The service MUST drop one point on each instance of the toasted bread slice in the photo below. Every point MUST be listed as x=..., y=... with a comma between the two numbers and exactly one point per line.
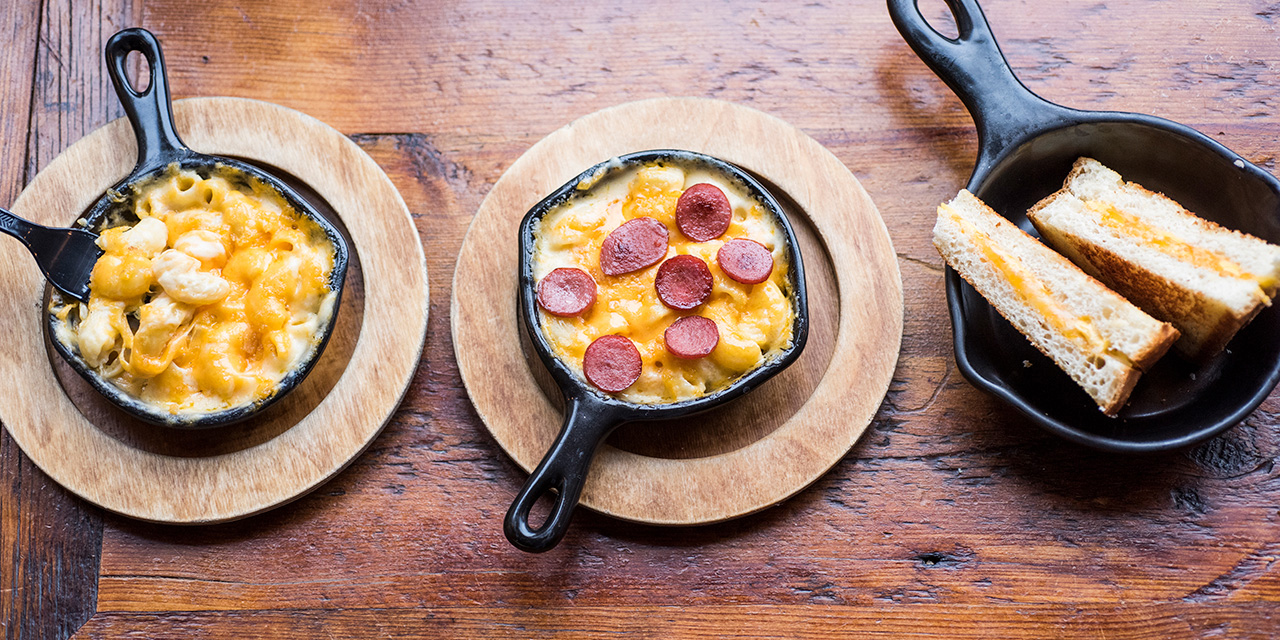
x=1206, y=280
x=1101, y=340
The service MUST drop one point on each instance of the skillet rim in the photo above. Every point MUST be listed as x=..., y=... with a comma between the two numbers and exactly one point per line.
x=575, y=389
x=956, y=286
x=185, y=158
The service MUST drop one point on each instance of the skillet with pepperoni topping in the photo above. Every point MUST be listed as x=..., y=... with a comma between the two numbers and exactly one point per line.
x=651, y=240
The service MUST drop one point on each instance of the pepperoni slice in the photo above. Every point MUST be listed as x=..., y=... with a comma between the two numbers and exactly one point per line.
x=634, y=245
x=612, y=363
x=692, y=337
x=703, y=212
x=745, y=260
x=683, y=282
x=566, y=292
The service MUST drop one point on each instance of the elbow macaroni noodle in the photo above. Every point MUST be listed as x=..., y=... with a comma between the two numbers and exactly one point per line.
x=755, y=321
x=209, y=300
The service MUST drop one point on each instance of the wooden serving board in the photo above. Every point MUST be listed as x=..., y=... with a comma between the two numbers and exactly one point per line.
x=166, y=475
x=754, y=452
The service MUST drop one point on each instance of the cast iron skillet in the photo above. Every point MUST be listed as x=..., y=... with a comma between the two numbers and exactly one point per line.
x=1026, y=148
x=591, y=415
x=159, y=147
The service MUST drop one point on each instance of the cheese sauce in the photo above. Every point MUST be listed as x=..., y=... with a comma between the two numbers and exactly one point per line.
x=755, y=321
x=207, y=301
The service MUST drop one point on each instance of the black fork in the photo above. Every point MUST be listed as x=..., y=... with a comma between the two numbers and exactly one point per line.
x=66, y=256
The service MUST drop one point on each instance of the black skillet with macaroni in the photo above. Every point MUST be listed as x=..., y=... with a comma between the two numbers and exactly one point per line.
x=218, y=286
x=677, y=268
x=207, y=294
x=641, y=313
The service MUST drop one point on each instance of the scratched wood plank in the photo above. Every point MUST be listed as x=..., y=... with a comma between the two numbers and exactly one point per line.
x=20, y=22
x=1249, y=621
x=951, y=510
x=851, y=540
x=465, y=67
x=17, y=64
x=73, y=95
x=52, y=92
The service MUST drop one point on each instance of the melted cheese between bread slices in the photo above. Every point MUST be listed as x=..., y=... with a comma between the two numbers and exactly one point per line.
x=1205, y=279
x=1098, y=338
x=1130, y=225
x=1033, y=291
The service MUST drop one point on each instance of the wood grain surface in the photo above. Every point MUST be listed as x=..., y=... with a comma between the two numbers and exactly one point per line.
x=952, y=518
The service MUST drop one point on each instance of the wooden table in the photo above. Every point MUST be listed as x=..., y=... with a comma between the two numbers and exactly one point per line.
x=952, y=518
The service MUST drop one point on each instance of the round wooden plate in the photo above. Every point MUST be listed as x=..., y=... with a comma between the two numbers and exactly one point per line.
x=166, y=475
x=758, y=450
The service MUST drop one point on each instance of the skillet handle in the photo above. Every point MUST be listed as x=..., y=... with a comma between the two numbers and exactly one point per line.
x=1004, y=110
x=564, y=468
x=149, y=111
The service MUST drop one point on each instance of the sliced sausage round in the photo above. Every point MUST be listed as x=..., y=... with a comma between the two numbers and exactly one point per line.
x=683, y=282
x=566, y=292
x=703, y=212
x=612, y=363
x=745, y=260
x=634, y=245
x=692, y=337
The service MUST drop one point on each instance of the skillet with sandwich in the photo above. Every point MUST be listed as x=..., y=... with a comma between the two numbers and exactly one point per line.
x=1027, y=146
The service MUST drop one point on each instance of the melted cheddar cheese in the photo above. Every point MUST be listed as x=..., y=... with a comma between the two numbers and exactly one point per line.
x=206, y=302
x=1131, y=226
x=755, y=321
x=1028, y=287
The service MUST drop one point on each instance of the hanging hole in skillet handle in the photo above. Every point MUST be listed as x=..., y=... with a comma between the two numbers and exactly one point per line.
x=139, y=72
x=944, y=22
x=1004, y=110
x=149, y=110
x=564, y=468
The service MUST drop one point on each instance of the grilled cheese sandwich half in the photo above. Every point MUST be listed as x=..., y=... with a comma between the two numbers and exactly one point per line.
x=1206, y=280
x=1097, y=337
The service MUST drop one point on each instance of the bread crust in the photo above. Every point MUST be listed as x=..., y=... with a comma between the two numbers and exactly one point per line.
x=1107, y=376
x=1127, y=379
x=1207, y=324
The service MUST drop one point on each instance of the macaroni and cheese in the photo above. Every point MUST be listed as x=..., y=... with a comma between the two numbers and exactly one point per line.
x=755, y=320
x=209, y=299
